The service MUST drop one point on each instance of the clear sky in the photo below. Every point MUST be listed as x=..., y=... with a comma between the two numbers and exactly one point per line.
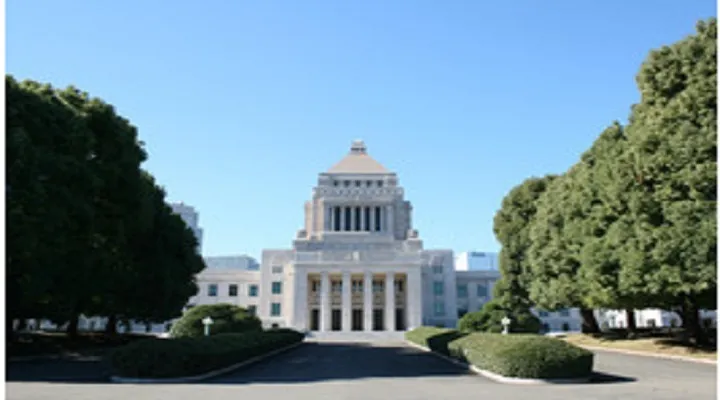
x=242, y=103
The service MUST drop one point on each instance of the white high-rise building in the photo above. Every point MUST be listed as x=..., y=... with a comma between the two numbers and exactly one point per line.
x=190, y=216
x=477, y=261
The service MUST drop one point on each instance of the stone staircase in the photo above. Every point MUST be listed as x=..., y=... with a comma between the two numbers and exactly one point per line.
x=355, y=337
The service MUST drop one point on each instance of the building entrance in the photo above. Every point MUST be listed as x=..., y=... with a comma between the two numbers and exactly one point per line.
x=315, y=320
x=357, y=319
x=378, y=319
x=400, y=319
x=336, y=320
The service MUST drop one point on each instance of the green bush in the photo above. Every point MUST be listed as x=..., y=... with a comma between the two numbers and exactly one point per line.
x=514, y=355
x=434, y=338
x=172, y=358
x=489, y=319
x=227, y=318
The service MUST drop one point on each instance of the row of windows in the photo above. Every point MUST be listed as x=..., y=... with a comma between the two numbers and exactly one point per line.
x=462, y=291
x=276, y=288
x=563, y=313
x=358, y=183
x=378, y=286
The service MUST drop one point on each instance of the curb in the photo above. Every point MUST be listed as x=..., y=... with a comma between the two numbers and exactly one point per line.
x=499, y=378
x=196, y=378
x=648, y=354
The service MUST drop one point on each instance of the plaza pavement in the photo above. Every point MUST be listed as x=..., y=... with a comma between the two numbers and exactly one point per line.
x=365, y=371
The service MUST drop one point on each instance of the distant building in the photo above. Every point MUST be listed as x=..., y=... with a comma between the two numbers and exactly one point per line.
x=190, y=216
x=477, y=261
x=241, y=262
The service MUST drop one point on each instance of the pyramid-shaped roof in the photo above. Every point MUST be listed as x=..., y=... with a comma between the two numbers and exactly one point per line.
x=358, y=162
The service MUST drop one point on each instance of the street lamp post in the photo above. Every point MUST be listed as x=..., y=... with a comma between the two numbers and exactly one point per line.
x=207, y=321
x=505, y=323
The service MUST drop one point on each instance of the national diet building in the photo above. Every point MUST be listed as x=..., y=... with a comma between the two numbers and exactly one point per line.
x=356, y=265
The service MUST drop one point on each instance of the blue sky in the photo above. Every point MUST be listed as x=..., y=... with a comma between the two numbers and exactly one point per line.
x=242, y=103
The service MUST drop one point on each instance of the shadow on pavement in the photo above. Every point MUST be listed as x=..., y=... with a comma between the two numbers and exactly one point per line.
x=308, y=363
x=65, y=370
x=604, y=378
x=315, y=362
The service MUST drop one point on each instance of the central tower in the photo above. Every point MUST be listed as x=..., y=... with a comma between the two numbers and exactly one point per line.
x=357, y=200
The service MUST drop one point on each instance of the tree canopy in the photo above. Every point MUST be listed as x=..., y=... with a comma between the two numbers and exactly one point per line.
x=632, y=224
x=89, y=231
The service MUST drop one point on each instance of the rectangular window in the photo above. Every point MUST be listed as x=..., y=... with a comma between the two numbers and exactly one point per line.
x=377, y=219
x=564, y=312
x=482, y=291
x=253, y=290
x=336, y=211
x=378, y=286
x=358, y=218
x=233, y=290
x=275, y=309
x=252, y=309
x=277, y=269
x=462, y=291
x=438, y=288
x=399, y=286
x=439, y=309
x=367, y=219
x=357, y=286
x=336, y=286
x=276, y=287
x=348, y=218
x=437, y=269
x=212, y=290
x=315, y=286
x=543, y=314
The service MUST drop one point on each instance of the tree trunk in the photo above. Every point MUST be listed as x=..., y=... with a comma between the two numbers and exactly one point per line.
x=691, y=322
x=111, y=325
x=72, y=328
x=631, y=324
x=589, y=323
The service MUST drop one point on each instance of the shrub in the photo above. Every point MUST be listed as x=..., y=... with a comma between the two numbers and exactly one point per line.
x=171, y=358
x=227, y=318
x=520, y=356
x=435, y=339
x=489, y=319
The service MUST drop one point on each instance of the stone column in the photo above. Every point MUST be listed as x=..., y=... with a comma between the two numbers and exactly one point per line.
x=390, y=220
x=300, y=303
x=372, y=219
x=368, y=302
x=325, y=313
x=331, y=219
x=352, y=218
x=342, y=218
x=346, y=302
x=390, y=301
x=414, y=298
x=363, y=226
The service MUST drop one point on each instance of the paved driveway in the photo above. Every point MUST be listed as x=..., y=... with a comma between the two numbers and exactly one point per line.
x=391, y=371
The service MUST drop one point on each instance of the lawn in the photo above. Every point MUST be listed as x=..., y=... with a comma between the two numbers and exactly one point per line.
x=655, y=345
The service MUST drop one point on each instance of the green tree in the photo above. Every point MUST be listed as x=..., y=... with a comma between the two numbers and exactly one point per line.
x=227, y=318
x=673, y=142
x=48, y=203
x=511, y=227
x=556, y=240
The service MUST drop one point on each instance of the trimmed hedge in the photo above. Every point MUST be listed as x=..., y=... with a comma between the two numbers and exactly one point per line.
x=514, y=355
x=172, y=358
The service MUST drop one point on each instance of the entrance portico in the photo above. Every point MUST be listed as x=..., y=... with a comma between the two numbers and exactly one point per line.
x=358, y=300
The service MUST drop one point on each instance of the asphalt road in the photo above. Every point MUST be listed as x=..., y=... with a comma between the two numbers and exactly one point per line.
x=367, y=371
